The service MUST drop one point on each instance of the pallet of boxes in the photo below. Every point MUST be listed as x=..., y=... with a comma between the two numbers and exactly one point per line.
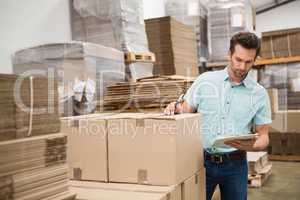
x=117, y=24
x=136, y=156
x=32, y=148
x=284, y=132
x=259, y=168
x=282, y=80
x=83, y=71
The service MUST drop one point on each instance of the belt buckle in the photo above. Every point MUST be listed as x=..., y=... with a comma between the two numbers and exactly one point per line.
x=217, y=159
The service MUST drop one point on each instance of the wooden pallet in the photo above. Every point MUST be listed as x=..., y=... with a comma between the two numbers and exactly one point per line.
x=139, y=57
x=289, y=158
x=257, y=180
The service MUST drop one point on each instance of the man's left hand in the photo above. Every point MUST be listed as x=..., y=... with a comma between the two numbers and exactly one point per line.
x=245, y=145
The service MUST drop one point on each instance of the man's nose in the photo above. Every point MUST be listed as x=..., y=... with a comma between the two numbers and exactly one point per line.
x=242, y=66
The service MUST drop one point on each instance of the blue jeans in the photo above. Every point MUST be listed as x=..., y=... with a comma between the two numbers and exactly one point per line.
x=230, y=175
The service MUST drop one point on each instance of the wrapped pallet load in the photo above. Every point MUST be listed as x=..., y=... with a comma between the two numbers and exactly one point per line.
x=286, y=78
x=113, y=23
x=83, y=71
x=226, y=19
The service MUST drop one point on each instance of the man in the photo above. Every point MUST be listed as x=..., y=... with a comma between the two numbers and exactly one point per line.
x=231, y=103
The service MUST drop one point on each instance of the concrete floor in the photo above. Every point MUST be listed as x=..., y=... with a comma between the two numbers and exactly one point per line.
x=283, y=183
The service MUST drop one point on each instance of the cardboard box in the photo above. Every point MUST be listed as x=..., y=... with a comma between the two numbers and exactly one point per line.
x=87, y=146
x=284, y=143
x=154, y=149
x=286, y=121
x=96, y=191
x=194, y=188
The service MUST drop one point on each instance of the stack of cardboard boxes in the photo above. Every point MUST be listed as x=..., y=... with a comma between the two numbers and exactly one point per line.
x=138, y=150
x=29, y=106
x=34, y=168
x=113, y=23
x=32, y=151
x=281, y=43
x=285, y=129
x=192, y=13
x=174, y=45
x=147, y=94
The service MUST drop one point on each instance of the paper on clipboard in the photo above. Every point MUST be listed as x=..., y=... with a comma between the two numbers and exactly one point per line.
x=220, y=141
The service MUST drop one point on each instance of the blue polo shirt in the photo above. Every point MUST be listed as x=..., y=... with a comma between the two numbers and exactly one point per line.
x=227, y=109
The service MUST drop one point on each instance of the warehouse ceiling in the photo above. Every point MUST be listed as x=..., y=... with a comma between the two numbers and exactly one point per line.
x=262, y=6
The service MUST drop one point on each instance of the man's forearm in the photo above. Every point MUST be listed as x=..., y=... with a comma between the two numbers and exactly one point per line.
x=262, y=142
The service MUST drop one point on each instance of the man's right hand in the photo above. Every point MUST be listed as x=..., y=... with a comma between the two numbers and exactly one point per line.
x=183, y=107
x=170, y=109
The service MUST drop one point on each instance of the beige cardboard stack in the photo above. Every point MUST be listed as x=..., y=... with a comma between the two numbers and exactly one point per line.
x=191, y=189
x=147, y=93
x=194, y=14
x=136, y=148
x=281, y=43
x=259, y=168
x=174, y=45
x=34, y=168
x=72, y=63
x=113, y=23
x=284, y=132
x=21, y=95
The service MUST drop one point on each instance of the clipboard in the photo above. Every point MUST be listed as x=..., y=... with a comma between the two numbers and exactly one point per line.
x=220, y=141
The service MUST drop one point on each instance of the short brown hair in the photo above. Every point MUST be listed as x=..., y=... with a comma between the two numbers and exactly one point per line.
x=247, y=40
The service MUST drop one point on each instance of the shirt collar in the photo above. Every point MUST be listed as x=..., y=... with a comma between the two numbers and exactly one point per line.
x=247, y=82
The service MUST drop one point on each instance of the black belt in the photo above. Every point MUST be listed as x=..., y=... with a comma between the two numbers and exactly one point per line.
x=219, y=158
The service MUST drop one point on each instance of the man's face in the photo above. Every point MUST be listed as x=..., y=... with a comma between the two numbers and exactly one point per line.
x=241, y=61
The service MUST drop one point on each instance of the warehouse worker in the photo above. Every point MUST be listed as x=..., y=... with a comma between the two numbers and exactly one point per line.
x=231, y=103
